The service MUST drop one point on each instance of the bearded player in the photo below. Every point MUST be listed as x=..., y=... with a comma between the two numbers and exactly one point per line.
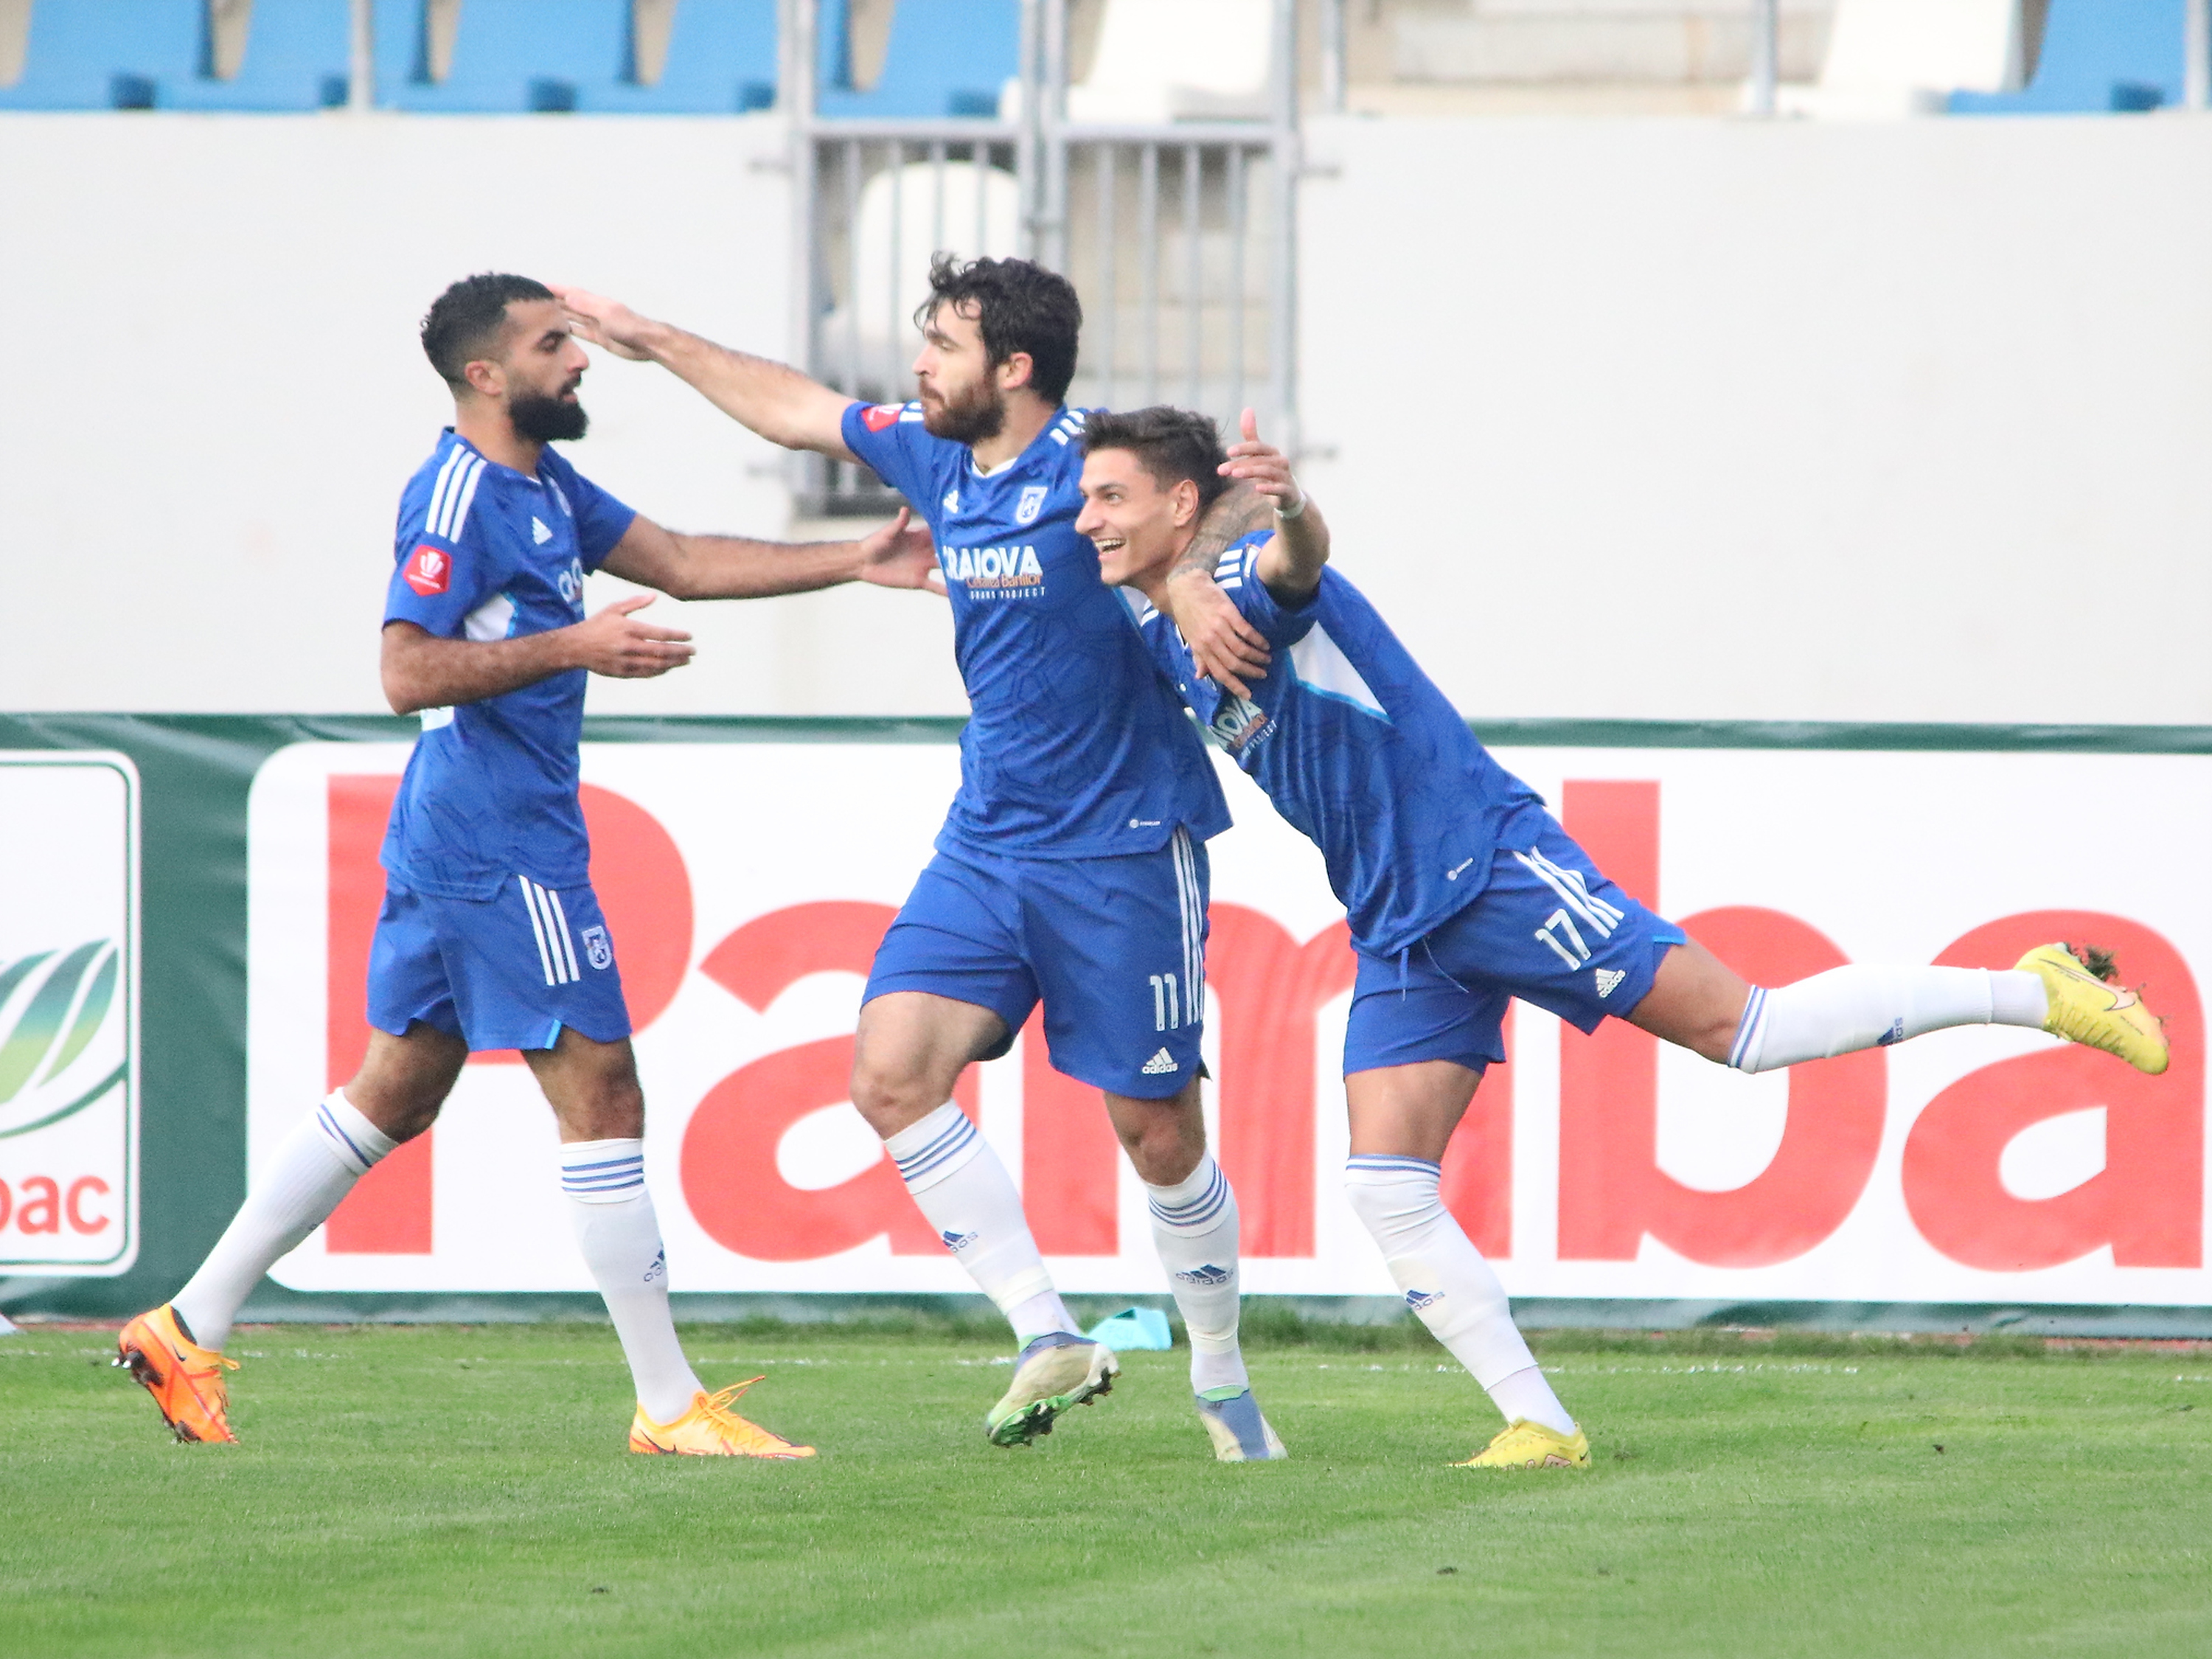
x=490, y=937
x=1072, y=871
x=1462, y=891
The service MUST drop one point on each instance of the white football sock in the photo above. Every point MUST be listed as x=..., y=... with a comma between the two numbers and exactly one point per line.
x=1866, y=1006
x=1195, y=1230
x=616, y=1229
x=312, y=1170
x=964, y=1191
x=1447, y=1284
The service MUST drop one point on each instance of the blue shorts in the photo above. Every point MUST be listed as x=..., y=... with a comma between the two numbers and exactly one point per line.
x=502, y=973
x=1114, y=947
x=1549, y=929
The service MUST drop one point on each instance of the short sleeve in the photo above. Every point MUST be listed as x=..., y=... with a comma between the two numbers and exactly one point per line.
x=891, y=438
x=1238, y=574
x=437, y=580
x=601, y=520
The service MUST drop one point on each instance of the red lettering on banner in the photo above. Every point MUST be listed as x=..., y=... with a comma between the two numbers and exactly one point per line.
x=78, y=1221
x=42, y=1214
x=7, y=1203
x=2147, y=1201
x=1271, y=987
x=1478, y=1173
x=1612, y=1191
x=643, y=887
x=729, y=1159
x=1071, y=1159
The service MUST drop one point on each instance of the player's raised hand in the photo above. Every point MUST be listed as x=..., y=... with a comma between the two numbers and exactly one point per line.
x=900, y=555
x=607, y=323
x=615, y=643
x=1262, y=465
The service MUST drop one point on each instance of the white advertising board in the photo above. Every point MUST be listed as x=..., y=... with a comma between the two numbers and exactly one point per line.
x=747, y=885
x=68, y=1012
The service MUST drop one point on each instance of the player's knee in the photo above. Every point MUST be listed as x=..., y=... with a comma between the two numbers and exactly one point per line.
x=891, y=1097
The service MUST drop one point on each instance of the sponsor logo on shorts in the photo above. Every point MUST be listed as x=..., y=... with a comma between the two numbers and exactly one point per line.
x=1160, y=1065
x=429, y=570
x=1209, y=1275
x=600, y=951
x=1418, y=1300
x=1608, y=981
x=881, y=416
x=957, y=1241
x=1031, y=504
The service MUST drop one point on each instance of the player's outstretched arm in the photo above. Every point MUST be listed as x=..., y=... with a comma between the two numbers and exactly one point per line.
x=1291, y=562
x=895, y=554
x=776, y=401
x=422, y=671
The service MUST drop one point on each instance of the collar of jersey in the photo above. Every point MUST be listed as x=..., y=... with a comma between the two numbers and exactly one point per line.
x=1012, y=466
x=498, y=469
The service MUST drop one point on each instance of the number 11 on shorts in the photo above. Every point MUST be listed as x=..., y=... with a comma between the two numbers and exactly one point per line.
x=1167, y=1012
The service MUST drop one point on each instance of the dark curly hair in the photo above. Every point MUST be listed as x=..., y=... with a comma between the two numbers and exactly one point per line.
x=1171, y=444
x=462, y=323
x=1018, y=307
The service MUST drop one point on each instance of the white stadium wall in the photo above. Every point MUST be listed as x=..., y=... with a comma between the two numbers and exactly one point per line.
x=1617, y=418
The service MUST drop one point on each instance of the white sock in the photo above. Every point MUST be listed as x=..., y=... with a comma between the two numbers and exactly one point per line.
x=1447, y=1284
x=313, y=1170
x=1195, y=1230
x=1866, y=1006
x=961, y=1187
x=611, y=1214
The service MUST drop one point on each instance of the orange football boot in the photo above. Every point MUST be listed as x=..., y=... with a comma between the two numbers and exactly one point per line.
x=711, y=1429
x=185, y=1380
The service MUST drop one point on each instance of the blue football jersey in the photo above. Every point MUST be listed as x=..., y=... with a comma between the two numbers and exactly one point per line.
x=1077, y=747
x=484, y=553
x=1357, y=749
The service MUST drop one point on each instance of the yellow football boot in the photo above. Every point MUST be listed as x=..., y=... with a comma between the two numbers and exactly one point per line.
x=2089, y=1005
x=711, y=1429
x=185, y=1380
x=1522, y=1444
x=1053, y=1374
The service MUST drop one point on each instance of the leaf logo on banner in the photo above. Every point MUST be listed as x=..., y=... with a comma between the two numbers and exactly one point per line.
x=52, y=1005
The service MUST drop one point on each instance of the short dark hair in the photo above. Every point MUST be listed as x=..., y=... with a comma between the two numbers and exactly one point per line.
x=1019, y=307
x=462, y=323
x=1171, y=444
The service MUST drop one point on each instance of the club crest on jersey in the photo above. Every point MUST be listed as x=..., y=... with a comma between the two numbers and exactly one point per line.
x=879, y=417
x=429, y=570
x=1031, y=504
x=994, y=572
x=598, y=949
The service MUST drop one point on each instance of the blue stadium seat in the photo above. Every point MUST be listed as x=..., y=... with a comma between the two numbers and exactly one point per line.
x=722, y=59
x=945, y=58
x=298, y=56
x=2098, y=56
x=108, y=54
x=510, y=57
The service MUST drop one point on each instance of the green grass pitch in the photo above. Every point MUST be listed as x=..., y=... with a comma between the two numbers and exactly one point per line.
x=445, y=1489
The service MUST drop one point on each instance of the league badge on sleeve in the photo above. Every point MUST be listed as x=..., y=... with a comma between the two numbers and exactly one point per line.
x=1031, y=503
x=429, y=570
x=879, y=416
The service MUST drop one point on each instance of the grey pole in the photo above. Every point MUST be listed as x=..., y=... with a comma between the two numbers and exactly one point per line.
x=1332, y=69
x=2197, y=54
x=1284, y=163
x=1051, y=116
x=361, y=83
x=797, y=23
x=1766, y=54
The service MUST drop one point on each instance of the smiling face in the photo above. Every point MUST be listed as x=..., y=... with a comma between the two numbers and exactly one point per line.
x=1137, y=526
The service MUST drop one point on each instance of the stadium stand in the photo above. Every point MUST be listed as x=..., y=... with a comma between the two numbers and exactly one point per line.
x=114, y=54
x=2098, y=56
x=721, y=58
x=945, y=58
x=297, y=56
x=511, y=57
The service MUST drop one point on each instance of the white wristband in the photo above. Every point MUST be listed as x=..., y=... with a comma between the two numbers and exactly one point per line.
x=1287, y=514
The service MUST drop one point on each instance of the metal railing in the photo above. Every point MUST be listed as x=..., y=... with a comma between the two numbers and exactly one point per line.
x=1178, y=235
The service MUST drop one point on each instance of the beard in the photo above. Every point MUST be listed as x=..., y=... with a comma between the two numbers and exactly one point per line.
x=545, y=420
x=980, y=414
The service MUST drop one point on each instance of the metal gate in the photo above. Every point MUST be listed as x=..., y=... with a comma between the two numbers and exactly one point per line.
x=1178, y=235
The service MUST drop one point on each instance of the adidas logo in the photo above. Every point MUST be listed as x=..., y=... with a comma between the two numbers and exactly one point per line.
x=539, y=532
x=1418, y=1300
x=952, y=501
x=957, y=1241
x=1209, y=1275
x=1608, y=980
x=1895, y=1034
x=1160, y=1065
